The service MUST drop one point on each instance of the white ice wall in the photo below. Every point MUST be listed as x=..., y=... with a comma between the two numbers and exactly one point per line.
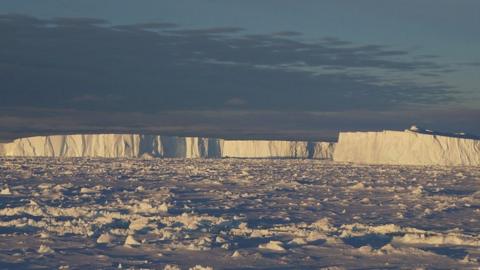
x=323, y=150
x=136, y=145
x=104, y=145
x=387, y=147
x=264, y=149
x=406, y=148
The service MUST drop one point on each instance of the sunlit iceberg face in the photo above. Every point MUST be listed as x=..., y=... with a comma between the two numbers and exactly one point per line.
x=137, y=145
x=410, y=147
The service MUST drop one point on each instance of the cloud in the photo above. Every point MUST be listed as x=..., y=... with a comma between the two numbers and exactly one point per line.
x=471, y=64
x=91, y=67
x=208, y=31
x=235, y=101
x=173, y=69
x=63, y=21
x=146, y=26
x=20, y=19
x=96, y=99
x=287, y=33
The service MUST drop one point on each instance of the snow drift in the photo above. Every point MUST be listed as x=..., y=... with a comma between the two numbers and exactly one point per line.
x=409, y=147
x=137, y=145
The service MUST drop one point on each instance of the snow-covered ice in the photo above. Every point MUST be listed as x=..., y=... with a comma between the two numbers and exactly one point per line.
x=93, y=213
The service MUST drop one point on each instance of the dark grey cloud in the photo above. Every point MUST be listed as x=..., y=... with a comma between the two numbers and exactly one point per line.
x=287, y=33
x=472, y=64
x=20, y=19
x=207, y=32
x=62, y=21
x=49, y=66
x=146, y=26
x=88, y=65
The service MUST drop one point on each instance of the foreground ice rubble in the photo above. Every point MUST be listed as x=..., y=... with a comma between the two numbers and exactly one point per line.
x=230, y=213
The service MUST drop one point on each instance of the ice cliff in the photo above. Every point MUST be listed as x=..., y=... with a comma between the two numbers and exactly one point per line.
x=137, y=145
x=409, y=147
x=264, y=149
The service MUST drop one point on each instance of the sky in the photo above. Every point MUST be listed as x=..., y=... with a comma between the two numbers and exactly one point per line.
x=268, y=69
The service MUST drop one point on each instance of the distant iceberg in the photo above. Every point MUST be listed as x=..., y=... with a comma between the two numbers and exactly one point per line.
x=413, y=146
x=264, y=149
x=148, y=146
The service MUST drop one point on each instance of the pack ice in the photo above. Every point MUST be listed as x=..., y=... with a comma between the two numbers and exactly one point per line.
x=137, y=145
x=410, y=147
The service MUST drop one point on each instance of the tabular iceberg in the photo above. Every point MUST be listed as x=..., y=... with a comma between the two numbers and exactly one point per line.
x=322, y=150
x=409, y=147
x=110, y=146
x=137, y=145
x=264, y=149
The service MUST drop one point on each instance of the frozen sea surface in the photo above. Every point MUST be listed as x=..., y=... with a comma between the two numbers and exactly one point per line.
x=236, y=214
